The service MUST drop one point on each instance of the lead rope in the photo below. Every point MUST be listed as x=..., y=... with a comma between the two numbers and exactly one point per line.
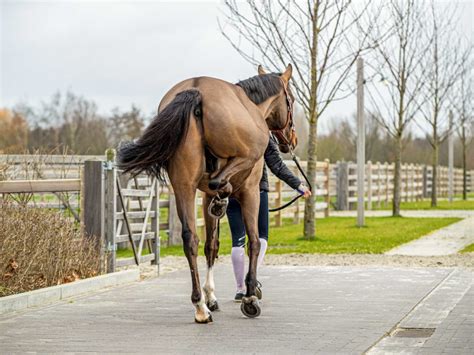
x=293, y=156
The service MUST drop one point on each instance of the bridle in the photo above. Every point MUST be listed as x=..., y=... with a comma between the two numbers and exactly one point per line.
x=278, y=133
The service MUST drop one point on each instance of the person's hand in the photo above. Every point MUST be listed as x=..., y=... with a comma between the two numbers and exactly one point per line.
x=304, y=190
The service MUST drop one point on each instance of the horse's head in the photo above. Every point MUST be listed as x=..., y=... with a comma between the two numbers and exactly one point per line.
x=280, y=117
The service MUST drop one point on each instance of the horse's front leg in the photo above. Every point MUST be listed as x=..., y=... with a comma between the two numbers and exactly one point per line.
x=211, y=250
x=185, y=205
x=249, y=202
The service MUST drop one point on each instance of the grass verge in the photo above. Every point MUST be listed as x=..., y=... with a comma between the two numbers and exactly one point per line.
x=335, y=235
x=468, y=249
x=426, y=205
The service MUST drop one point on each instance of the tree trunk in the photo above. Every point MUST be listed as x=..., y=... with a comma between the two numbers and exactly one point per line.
x=310, y=203
x=434, y=178
x=397, y=179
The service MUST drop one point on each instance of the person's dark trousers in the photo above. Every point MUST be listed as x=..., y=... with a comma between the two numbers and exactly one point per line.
x=236, y=222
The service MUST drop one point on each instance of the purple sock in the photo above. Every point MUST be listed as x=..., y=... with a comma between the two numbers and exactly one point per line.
x=263, y=250
x=238, y=263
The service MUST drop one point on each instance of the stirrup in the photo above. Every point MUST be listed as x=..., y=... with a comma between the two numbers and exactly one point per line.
x=217, y=207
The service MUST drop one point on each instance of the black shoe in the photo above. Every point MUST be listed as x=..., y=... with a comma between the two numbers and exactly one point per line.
x=238, y=296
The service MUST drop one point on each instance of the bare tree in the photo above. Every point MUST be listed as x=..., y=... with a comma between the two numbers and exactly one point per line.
x=318, y=37
x=461, y=98
x=398, y=62
x=125, y=126
x=443, y=68
x=67, y=120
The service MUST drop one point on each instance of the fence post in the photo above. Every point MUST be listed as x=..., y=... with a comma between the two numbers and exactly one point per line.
x=110, y=211
x=174, y=224
x=417, y=182
x=387, y=185
x=326, y=185
x=92, y=201
x=155, y=225
x=342, y=186
x=202, y=227
x=425, y=181
x=369, y=185
x=379, y=185
x=278, y=200
x=296, y=216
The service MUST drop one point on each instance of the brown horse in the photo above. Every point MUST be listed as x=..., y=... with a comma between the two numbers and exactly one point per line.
x=211, y=135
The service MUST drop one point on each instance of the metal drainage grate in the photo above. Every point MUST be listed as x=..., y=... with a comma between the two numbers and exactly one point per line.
x=413, y=332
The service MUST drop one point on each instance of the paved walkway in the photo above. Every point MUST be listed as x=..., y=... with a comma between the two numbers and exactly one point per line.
x=409, y=213
x=445, y=241
x=305, y=310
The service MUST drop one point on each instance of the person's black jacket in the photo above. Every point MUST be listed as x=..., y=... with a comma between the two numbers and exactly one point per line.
x=275, y=163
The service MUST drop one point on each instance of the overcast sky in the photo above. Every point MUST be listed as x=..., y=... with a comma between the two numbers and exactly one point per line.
x=117, y=52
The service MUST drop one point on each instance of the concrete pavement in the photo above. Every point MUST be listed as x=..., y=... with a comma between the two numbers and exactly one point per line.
x=322, y=310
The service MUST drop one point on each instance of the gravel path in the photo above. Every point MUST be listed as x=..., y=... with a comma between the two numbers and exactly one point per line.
x=175, y=263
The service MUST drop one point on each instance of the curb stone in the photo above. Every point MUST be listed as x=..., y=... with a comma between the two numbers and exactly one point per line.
x=53, y=294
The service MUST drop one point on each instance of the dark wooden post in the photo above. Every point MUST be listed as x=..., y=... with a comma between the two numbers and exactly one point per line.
x=327, y=197
x=174, y=224
x=342, y=186
x=93, y=200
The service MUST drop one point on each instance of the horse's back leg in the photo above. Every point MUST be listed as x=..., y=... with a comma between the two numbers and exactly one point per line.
x=211, y=250
x=184, y=172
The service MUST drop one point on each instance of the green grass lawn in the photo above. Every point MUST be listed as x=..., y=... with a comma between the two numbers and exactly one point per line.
x=335, y=235
x=426, y=205
x=468, y=249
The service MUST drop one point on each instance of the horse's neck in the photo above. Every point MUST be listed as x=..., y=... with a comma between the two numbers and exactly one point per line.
x=267, y=106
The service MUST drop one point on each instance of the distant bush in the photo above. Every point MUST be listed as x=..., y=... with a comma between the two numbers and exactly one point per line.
x=40, y=248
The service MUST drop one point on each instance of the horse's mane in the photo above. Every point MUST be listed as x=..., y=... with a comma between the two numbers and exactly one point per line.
x=260, y=87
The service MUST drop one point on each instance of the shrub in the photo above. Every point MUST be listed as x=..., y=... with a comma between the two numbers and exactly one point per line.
x=40, y=248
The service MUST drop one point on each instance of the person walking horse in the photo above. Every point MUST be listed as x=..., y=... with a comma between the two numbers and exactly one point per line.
x=211, y=135
x=273, y=160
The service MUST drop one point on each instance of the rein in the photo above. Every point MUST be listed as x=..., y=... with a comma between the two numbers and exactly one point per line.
x=285, y=141
x=293, y=157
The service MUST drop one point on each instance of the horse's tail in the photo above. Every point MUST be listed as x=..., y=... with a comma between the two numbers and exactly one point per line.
x=154, y=149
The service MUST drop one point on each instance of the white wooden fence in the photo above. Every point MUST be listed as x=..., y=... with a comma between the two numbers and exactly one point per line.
x=334, y=181
x=416, y=183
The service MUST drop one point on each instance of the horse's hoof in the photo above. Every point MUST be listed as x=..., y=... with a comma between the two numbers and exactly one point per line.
x=204, y=320
x=213, y=305
x=258, y=292
x=250, y=307
x=214, y=184
x=217, y=207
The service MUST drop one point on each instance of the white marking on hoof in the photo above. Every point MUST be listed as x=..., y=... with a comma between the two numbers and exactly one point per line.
x=249, y=299
x=202, y=314
x=209, y=287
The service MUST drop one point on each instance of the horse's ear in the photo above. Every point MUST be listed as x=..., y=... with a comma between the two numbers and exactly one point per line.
x=286, y=76
x=261, y=71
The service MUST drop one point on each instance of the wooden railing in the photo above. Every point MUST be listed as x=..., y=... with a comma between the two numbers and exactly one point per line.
x=416, y=182
x=117, y=218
